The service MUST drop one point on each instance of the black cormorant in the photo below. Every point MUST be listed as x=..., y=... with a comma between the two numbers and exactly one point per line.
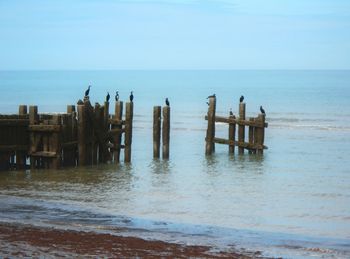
x=167, y=102
x=262, y=110
x=241, y=99
x=116, y=96
x=231, y=113
x=87, y=91
x=108, y=97
x=131, y=97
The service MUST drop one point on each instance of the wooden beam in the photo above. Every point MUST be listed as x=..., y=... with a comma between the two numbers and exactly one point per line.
x=239, y=144
x=239, y=122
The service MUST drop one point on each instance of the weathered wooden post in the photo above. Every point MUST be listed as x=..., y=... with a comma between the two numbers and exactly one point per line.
x=69, y=152
x=166, y=132
x=55, y=143
x=260, y=133
x=81, y=134
x=118, y=134
x=21, y=155
x=231, y=134
x=241, y=128
x=33, y=119
x=209, y=148
x=251, y=135
x=98, y=121
x=106, y=115
x=156, y=131
x=129, y=109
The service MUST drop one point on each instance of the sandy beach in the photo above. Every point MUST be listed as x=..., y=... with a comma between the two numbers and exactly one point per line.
x=30, y=241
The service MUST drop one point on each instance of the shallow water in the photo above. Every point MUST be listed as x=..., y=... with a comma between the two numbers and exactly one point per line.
x=292, y=201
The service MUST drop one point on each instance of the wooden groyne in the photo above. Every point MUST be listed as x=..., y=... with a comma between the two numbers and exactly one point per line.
x=89, y=135
x=256, y=131
x=86, y=136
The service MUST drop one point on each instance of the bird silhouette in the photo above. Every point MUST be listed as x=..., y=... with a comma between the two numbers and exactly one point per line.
x=241, y=99
x=262, y=110
x=231, y=113
x=131, y=96
x=108, y=97
x=167, y=102
x=116, y=96
x=211, y=96
x=87, y=91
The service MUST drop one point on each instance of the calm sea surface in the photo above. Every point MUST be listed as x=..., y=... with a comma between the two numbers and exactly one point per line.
x=294, y=201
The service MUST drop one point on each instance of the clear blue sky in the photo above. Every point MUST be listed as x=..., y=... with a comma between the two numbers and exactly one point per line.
x=169, y=34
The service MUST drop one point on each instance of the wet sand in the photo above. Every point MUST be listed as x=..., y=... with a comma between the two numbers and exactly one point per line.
x=31, y=241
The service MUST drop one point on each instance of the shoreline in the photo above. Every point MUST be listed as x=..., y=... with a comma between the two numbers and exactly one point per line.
x=28, y=241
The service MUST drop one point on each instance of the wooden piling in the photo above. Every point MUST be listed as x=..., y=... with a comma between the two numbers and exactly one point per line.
x=129, y=107
x=33, y=119
x=55, y=143
x=21, y=155
x=156, y=131
x=211, y=127
x=81, y=135
x=251, y=136
x=118, y=134
x=166, y=132
x=241, y=128
x=231, y=134
x=260, y=133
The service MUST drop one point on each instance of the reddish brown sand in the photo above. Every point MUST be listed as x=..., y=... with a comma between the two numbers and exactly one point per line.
x=28, y=241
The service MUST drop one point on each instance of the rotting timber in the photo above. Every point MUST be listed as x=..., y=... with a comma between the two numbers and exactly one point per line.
x=87, y=136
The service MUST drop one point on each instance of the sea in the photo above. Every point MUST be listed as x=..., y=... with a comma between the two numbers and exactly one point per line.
x=292, y=202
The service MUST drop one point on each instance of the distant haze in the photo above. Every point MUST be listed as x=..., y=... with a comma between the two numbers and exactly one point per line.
x=169, y=34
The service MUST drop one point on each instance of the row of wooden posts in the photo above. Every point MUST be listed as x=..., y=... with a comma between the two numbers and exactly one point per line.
x=87, y=136
x=256, y=131
x=90, y=135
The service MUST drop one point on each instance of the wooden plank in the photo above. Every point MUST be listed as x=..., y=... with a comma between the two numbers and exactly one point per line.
x=45, y=128
x=14, y=122
x=166, y=132
x=34, y=140
x=21, y=154
x=156, y=131
x=240, y=144
x=47, y=154
x=239, y=122
x=6, y=148
x=115, y=121
x=209, y=147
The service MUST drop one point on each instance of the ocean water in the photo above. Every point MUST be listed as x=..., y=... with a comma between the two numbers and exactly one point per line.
x=294, y=201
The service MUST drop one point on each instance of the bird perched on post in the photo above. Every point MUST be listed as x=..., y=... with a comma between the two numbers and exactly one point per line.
x=116, y=96
x=108, y=97
x=241, y=99
x=87, y=91
x=211, y=96
x=231, y=113
x=167, y=102
x=131, y=96
x=262, y=110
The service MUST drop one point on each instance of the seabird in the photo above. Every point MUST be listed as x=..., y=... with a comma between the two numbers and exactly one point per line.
x=87, y=91
x=131, y=97
x=231, y=113
x=167, y=102
x=116, y=96
x=241, y=98
x=262, y=110
x=211, y=96
x=108, y=97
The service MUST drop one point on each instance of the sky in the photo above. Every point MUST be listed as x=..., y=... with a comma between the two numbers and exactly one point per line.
x=170, y=34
